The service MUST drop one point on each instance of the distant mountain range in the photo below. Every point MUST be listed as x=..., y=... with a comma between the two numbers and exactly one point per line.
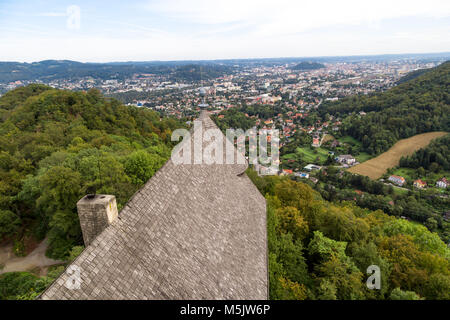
x=188, y=70
x=64, y=69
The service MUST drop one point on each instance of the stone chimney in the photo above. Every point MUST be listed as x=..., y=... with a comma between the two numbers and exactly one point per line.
x=96, y=212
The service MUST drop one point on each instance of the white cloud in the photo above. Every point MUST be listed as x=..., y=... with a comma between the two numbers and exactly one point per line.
x=198, y=29
x=284, y=16
x=52, y=14
x=174, y=47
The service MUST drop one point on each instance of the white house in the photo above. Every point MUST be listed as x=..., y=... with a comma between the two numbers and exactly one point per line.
x=442, y=183
x=346, y=159
x=311, y=167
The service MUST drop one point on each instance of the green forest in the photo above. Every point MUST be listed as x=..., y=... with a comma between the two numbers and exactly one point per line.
x=420, y=206
x=321, y=250
x=56, y=146
x=435, y=157
x=416, y=106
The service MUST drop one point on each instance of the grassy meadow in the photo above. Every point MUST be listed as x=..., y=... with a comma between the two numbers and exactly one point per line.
x=376, y=167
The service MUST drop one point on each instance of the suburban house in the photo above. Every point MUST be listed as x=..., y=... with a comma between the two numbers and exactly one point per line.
x=400, y=181
x=316, y=142
x=442, y=183
x=419, y=184
x=346, y=159
x=314, y=180
x=264, y=171
x=312, y=167
x=286, y=172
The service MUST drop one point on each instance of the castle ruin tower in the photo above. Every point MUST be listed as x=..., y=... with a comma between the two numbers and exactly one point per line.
x=96, y=212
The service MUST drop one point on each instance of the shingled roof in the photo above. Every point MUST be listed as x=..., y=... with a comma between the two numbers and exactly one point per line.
x=192, y=232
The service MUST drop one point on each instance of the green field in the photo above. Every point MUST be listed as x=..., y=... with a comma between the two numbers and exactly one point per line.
x=308, y=155
x=376, y=167
x=350, y=140
x=363, y=156
x=400, y=191
x=407, y=173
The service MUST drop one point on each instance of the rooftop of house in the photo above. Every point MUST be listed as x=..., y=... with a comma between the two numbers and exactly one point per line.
x=193, y=231
x=346, y=157
x=396, y=177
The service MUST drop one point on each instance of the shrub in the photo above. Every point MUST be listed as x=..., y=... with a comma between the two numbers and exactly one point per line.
x=9, y=223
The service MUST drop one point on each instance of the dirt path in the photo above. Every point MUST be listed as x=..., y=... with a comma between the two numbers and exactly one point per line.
x=36, y=259
x=376, y=167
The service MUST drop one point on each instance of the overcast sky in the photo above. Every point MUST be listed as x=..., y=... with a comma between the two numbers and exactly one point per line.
x=100, y=31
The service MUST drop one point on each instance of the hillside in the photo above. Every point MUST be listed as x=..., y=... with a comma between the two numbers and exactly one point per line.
x=435, y=157
x=411, y=75
x=416, y=106
x=66, y=69
x=304, y=66
x=320, y=250
x=56, y=146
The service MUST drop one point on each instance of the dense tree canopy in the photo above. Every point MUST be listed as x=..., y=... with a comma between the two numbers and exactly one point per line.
x=435, y=157
x=56, y=146
x=321, y=250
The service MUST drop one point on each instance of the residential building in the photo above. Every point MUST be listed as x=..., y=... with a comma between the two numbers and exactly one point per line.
x=442, y=183
x=316, y=142
x=286, y=172
x=346, y=159
x=400, y=181
x=314, y=180
x=312, y=167
x=419, y=184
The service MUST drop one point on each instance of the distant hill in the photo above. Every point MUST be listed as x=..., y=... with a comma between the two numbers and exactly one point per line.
x=416, y=106
x=308, y=66
x=196, y=72
x=65, y=69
